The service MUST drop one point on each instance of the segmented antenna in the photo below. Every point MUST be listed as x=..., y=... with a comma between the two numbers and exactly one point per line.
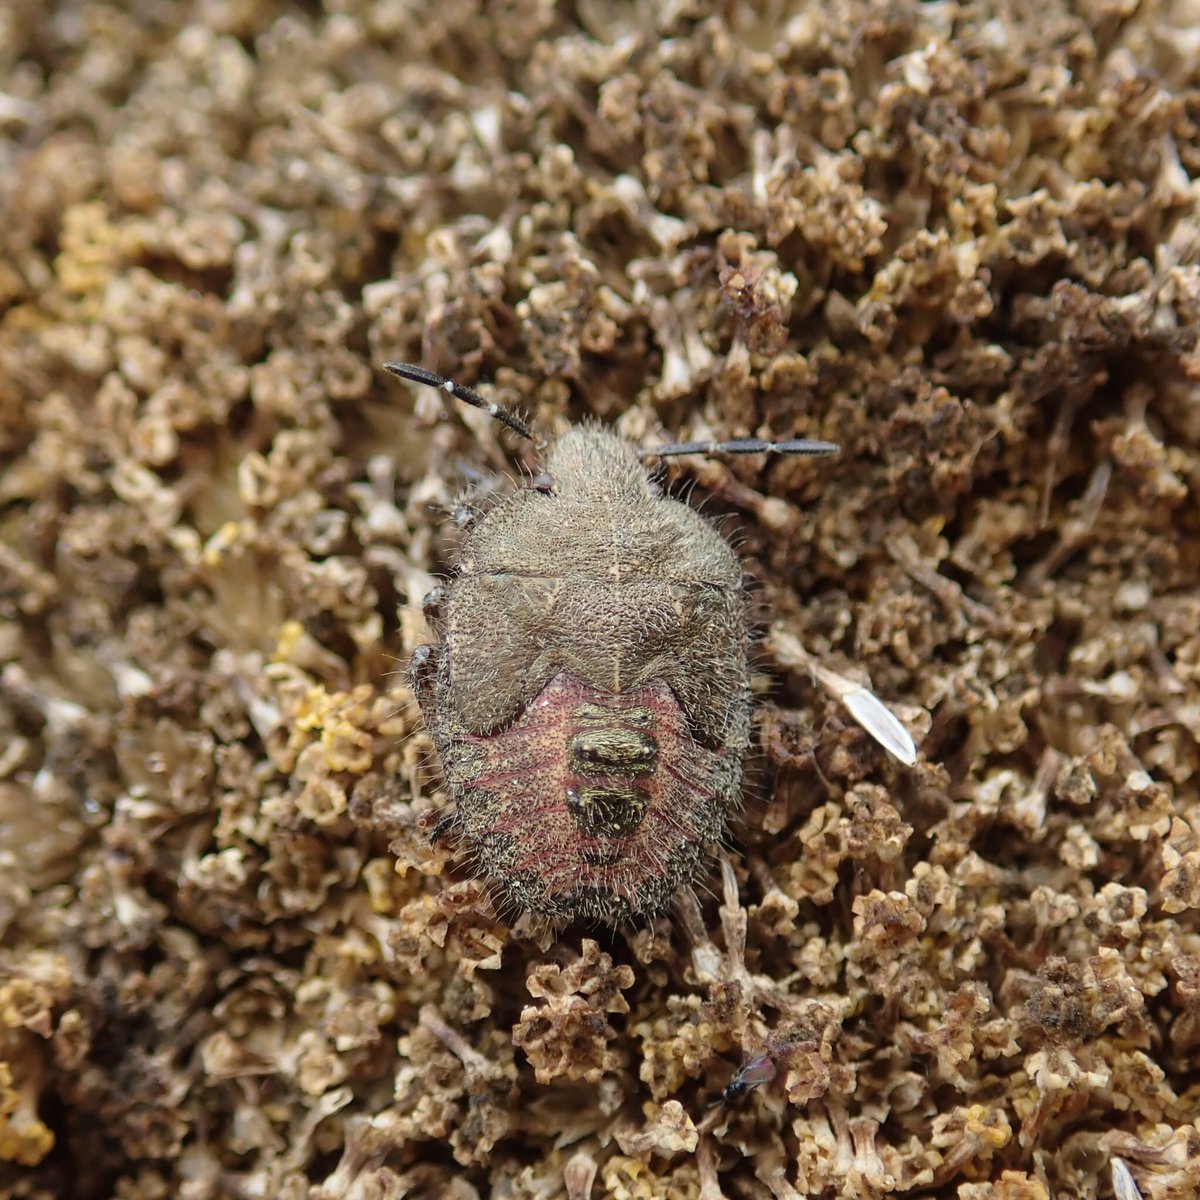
x=467, y=395
x=506, y=416
x=742, y=446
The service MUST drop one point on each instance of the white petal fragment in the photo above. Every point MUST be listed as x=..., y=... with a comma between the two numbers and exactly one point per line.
x=864, y=706
x=881, y=723
x=1124, y=1187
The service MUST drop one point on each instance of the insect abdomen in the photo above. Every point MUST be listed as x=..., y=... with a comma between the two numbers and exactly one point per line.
x=592, y=803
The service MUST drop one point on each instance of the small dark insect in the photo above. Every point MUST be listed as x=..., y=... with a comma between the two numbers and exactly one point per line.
x=751, y=1074
x=589, y=692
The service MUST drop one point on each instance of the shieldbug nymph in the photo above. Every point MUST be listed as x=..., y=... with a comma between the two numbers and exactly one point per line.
x=589, y=691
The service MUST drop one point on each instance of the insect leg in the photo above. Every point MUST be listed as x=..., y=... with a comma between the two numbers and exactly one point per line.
x=422, y=671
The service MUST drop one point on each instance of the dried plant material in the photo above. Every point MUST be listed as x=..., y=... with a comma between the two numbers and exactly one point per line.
x=669, y=1132
x=569, y=1034
x=24, y=1138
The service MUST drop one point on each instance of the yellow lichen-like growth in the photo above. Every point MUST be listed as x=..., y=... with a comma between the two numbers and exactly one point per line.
x=24, y=1139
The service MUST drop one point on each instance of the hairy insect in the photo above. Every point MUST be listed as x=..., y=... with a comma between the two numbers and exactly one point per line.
x=589, y=693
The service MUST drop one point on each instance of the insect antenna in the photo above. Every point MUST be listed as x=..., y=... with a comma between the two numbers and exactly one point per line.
x=459, y=391
x=806, y=446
